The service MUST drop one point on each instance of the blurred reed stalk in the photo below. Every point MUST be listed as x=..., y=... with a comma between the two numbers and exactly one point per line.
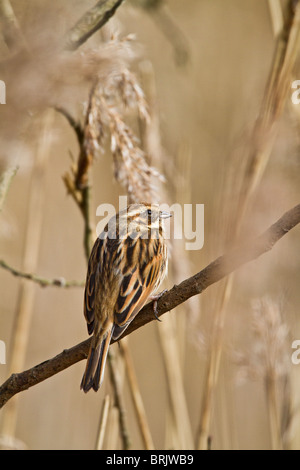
x=92, y=20
x=132, y=171
x=10, y=28
x=181, y=267
x=263, y=135
x=5, y=181
x=276, y=16
x=113, y=427
x=172, y=333
x=98, y=117
x=267, y=329
x=41, y=281
x=14, y=40
x=25, y=303
x=102, y=423
x=77, y=182
x=268, y=359
x=162, y=17
x=273, y=410
x=109, y=94
x=117, y=386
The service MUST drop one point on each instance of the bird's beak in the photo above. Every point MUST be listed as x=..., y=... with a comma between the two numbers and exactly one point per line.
x=164, y=214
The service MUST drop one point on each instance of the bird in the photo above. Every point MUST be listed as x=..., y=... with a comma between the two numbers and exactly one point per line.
x=127, y=264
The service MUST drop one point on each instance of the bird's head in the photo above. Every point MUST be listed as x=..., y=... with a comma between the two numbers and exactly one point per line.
x=143, y=219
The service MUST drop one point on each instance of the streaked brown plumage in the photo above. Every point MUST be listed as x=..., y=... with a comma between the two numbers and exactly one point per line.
x=127, y=264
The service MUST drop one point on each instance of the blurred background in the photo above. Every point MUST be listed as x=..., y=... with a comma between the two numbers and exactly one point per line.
x=217, y=371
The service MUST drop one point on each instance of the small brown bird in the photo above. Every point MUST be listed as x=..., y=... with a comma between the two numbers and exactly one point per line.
x=127, y=264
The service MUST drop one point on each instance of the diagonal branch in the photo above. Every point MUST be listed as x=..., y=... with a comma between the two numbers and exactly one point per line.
x=214, y=272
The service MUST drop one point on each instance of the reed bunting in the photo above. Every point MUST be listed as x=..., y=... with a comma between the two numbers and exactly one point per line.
x=128, y=262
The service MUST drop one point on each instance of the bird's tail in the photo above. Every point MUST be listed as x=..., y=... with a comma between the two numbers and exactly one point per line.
x=94, y=371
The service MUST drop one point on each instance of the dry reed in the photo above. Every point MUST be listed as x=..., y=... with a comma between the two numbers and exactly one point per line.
x=172, y=338
x=137, y=397
x=261, y=144
x=268, y=359
x=116, y=106
x=102, y=423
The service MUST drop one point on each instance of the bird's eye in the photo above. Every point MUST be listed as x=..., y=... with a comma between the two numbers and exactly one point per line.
x=149, y=212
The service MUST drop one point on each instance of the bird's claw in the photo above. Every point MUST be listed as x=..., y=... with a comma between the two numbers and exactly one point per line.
x=155, y=298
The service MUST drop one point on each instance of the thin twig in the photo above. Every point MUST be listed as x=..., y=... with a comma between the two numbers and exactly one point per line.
x=57, y=282
x=214, y=272
x=5, y=181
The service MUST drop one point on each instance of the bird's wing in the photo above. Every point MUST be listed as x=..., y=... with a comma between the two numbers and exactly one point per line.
x=140, y=279
x=92, y=284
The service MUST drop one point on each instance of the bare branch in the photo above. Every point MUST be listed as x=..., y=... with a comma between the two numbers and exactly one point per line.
x=214, y=272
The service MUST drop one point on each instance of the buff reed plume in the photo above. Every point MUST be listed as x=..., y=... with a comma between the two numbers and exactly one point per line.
x=128, y=262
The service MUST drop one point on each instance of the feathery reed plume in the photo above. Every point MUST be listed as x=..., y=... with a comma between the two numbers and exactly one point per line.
x=11, y=30
x=120, y=91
